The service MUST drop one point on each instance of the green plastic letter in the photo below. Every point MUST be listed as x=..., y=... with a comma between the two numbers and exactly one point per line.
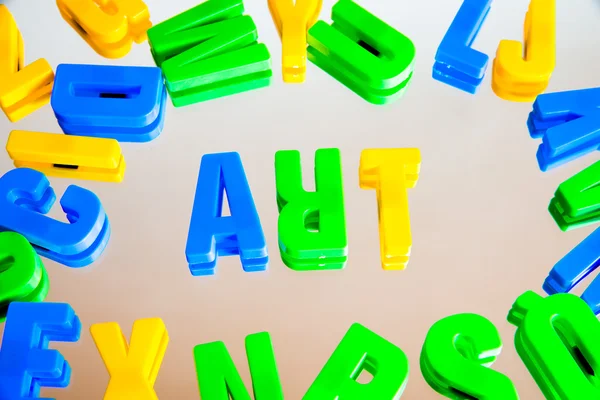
x=557, y=339
x=576, y=202
x=312, y=225
x=210, y=51
x=23, y=277
x=362, y=350
x=456, y=357
x=362, y=52
x=218, y=378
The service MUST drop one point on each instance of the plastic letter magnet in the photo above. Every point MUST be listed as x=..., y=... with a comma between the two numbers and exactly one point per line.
x=311, y=225
x=568, y=123
x=362, y=350
x=391, y=172
x=576, y=202
x=65, y=156
x=456, y=62
x=575, y=267
x=26, y=363
x=293, y=19
x=523, y=71
x=108, y=26
x=211, y=234
x=23, y=89
x=26, y=195
x=363, y=53
x=133, y=367
x=115, y=102
x=23, y=277
x=210, y=51
x=218, y=378
x=456, y=359
x=557, y=340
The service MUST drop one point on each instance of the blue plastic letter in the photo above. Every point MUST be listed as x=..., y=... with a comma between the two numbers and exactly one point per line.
x=26, y=363
x=568, y=123
x=25, y=195
x=456, y=63
x=117, y=102
x=210, y=234
x=574, y=267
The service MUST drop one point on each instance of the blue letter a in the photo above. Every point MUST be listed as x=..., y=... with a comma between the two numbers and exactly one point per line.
x=213, y=235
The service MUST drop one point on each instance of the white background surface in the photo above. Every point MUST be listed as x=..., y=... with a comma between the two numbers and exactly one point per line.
x=482, y=234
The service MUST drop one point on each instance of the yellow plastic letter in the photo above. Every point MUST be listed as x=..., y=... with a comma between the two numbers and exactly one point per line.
x=67, y=156
x=108, y=26
x=133, y=369
x=293, y=22
x=390, y=172
x=23, y=89
x=518, y=78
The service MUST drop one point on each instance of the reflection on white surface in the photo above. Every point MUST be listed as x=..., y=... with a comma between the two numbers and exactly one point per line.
x=481, y=231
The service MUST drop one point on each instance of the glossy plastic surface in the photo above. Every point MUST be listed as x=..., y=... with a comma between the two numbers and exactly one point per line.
x=362, y=349
x=456, y=359
x=133, y=367
x=26, y=363
x=23, y=88
x=557, y=339
x=568, y=123
x=124, y=103
x=218, y=378
x=23, y=277
x=67, y=156
x=456, y=62
x=293, y=19
x=109, y=26
x=521, y=71
x=576, y=202
x=210, y=51
x=391, y=172
x=574, y=267
x=362, y=52
x=311, y=225
x=211, y=234
x=26, y=195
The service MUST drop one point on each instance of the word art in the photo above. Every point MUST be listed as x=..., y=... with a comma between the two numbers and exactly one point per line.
x=311, y=225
